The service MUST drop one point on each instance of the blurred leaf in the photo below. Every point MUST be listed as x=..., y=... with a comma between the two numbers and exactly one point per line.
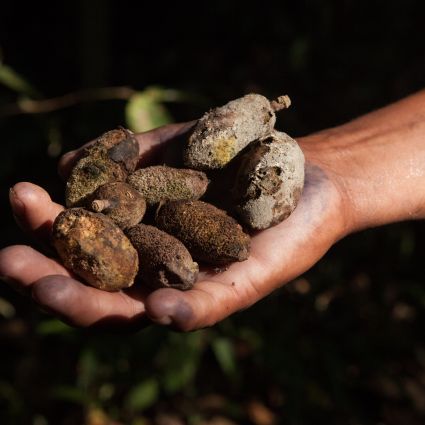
x=182, y=365
x=225, y=355
x=16, y=82
x=144, y=112
x=88, y=366
x=53, y=327
x=6, y=309
x=143, y=395
x=70, y=394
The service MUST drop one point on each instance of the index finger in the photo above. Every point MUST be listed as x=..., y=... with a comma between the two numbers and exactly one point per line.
x=150, y=144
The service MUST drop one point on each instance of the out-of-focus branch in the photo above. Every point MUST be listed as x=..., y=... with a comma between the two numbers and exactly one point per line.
x=29, y=106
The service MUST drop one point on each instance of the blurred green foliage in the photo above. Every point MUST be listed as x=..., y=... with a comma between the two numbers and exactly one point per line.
x=343, y=343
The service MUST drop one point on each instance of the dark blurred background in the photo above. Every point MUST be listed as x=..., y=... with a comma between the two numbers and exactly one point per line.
x=343, y=344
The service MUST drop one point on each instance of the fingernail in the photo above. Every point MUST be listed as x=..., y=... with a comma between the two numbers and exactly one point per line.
x=165, y=321
x=18, y=206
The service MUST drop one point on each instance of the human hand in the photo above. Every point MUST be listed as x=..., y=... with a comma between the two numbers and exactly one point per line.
x=344, y=167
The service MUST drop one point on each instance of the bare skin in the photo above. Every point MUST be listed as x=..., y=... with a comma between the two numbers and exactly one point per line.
x=368, y=172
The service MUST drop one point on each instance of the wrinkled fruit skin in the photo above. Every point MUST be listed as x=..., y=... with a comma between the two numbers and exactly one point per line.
x=94, y=248
x=110, y=158
x=161, y=183
x=224, y=131
x=269, y=182
x=208, y=233
x=120, y=202
x=164, y=260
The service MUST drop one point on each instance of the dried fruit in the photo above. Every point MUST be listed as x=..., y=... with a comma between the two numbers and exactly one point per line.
x=120, y=202
x=110, y=158
x=162, y=183
x=224, y=131
x=208, y=233
x=269, y=181
x=94, y=248
x=164, y=260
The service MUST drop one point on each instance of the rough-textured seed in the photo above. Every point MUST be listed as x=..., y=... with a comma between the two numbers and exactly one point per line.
x=208, y=233
x=224, y=131
x=164, y=260
x=94, y=248
x=162, y=183
x=120, y=202
x=110, y=158
x=269, y=181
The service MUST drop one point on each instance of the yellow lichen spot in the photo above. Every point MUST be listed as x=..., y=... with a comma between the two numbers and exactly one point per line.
x=224, y=150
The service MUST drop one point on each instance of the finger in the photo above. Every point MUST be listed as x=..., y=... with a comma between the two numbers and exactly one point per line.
x=33, y=209
x=21, y=265
x=150, y=143
x=84, y=306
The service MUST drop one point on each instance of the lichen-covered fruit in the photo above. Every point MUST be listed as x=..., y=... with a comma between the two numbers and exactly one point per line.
x=224, y=131
x=161, y=183
x=94, y=248
x=269, y=181
x=208, y=233
x=164, y=260
x=110, y=158
x=120, y=202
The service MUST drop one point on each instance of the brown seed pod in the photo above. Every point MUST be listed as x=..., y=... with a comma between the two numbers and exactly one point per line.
x=224, y=131
x=162, y=183
x=269, y=181
x=110, y=158
x=94, y=248
x=164, y=260
x=208, y=233
x=120, y=202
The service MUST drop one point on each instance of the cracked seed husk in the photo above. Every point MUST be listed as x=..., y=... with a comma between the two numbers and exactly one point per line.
x=224, y=131
x=164, y=261
x=208, y=233
x=110, y=158
x=94, y=248
x=269, y=181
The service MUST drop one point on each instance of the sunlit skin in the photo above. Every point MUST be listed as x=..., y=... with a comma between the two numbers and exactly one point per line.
x=366, y=173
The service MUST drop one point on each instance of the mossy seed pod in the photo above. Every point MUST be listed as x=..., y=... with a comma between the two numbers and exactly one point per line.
x=164, y=260
x=120, y=202
x=224, y=131
x=110, y=158
x=94, y=248
x=208, y=233
x=269, y=182
x=161, y=183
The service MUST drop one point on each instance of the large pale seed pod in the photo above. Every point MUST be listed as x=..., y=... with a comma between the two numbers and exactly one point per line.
x=269, y=182
x=161, y=183
x=164, y=261
x=208, y=233
x=94, y=248
x=110, y=158
x=224, y=131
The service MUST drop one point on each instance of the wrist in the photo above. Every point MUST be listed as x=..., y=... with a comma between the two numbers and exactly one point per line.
x=377, y=164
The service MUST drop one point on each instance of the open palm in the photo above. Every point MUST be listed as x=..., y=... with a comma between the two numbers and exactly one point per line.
x=278, y=255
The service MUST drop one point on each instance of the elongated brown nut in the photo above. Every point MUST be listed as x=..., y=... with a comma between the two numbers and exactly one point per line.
x=223, y=132
x=269, y=182
x=120, y=202
x=94, y=248
x=164, y=261
x=162, y=183
x=110, y=158
x=208, y=233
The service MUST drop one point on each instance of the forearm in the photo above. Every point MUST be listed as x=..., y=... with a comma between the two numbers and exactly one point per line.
x=377, y=163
